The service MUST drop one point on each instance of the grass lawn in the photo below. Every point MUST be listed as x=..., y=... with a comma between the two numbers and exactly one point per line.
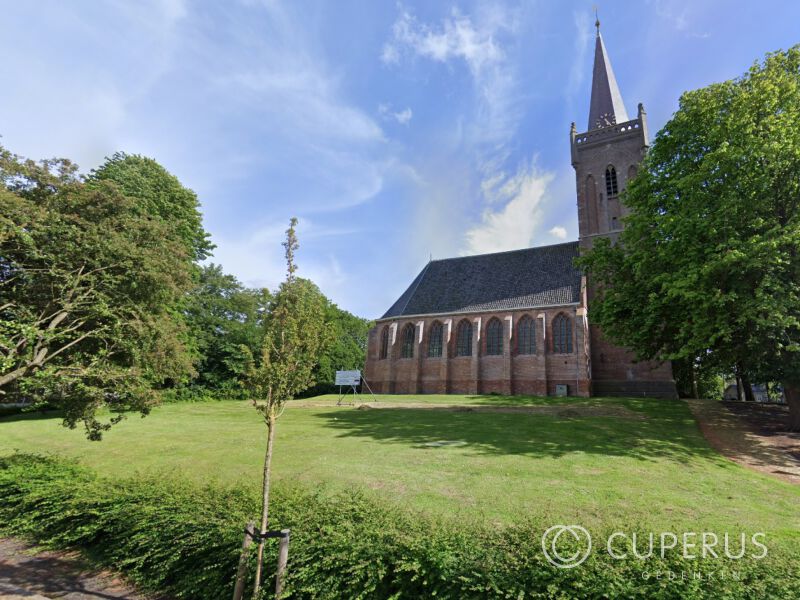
x=647, y=464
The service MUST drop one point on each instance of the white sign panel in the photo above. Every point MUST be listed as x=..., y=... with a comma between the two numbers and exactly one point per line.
x=348, y=377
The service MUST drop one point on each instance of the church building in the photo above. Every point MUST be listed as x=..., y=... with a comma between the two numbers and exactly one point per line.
x=519, y=322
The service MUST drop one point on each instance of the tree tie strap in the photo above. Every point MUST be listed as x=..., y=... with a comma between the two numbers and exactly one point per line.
x=257, y=535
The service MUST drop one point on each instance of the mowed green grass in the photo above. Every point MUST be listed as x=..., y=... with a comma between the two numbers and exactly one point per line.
x=651, y=468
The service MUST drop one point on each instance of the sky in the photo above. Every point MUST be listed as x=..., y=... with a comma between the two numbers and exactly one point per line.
x=396, y=132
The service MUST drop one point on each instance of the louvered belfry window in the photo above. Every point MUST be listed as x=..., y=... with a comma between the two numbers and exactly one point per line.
x=612, y=189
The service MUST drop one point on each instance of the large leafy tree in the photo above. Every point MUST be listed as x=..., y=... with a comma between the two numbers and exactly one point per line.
x=86, y=286
x=225, y=320
x=161, y=196
x=708, y=268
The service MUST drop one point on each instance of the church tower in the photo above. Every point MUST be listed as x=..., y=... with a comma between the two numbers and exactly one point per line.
x=607, y=154
x=605, y=157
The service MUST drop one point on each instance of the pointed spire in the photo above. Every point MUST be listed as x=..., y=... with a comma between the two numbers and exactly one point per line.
x=606, y=107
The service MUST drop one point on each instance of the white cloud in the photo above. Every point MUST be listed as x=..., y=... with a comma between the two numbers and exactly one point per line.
x=403, y=117
x=457, y=38
x=558, y=232
x=677, y=13
x=477, y=44
x=484, y=132
x=517, y=222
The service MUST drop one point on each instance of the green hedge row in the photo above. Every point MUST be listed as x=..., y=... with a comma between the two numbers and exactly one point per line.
x=184, y=541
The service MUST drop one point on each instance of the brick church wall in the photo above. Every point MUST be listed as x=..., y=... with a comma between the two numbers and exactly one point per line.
x=507, y=373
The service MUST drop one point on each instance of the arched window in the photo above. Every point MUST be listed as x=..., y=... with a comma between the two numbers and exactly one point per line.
x=612, y=189
x=407, y=350
x=435, y=340
x=562, y=335
x=494, y=337
x=464, y=338
x=526, y=336
x=385, y=343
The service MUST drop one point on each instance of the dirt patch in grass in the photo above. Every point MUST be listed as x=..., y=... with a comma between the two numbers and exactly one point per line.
x=29, y=572
x=564, y=410
x=746, y=442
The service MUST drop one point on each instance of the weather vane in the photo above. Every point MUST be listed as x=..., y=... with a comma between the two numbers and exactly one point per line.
x=596, y=20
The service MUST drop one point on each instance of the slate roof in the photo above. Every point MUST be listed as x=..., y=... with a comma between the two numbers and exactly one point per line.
x=543, y=276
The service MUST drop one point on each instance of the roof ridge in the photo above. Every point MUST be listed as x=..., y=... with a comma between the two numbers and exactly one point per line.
x=573, y=242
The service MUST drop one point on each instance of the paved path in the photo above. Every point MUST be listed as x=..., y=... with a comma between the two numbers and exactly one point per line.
x=747, y=445
x=29, y=575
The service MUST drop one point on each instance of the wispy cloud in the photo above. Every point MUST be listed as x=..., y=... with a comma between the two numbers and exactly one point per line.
x=403, y=117
x=456, y=38
x=678, y=14
x=515, y=224
x=558, y=232
x=477, y=45
x=510, y=195
x=580, y=62
x=300, y=98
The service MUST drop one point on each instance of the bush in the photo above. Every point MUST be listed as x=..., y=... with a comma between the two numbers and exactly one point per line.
x=184, y=541
x=191, y=394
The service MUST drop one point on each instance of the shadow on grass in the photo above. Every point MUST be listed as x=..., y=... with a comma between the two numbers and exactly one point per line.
x=32, y=415
x=667, y=430
x=498, y=400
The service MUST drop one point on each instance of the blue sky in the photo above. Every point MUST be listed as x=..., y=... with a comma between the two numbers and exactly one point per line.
x=395, y=131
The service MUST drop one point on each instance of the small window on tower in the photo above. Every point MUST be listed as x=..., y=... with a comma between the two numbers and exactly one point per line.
x=611, y=181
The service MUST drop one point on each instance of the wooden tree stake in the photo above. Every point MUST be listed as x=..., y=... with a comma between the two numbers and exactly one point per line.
x=283, y=558
x=238, y=591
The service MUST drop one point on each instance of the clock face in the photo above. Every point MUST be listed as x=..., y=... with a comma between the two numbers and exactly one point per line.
x=606, y=119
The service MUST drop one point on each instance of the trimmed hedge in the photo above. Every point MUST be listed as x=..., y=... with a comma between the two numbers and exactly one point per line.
x=184, y=541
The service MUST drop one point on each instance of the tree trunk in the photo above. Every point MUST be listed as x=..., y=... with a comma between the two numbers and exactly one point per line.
x=792, y=393
x=739, y=388
x=265, y=505
x=748, y=389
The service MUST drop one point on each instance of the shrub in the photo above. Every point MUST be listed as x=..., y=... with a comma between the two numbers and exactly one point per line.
x=184, y=541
